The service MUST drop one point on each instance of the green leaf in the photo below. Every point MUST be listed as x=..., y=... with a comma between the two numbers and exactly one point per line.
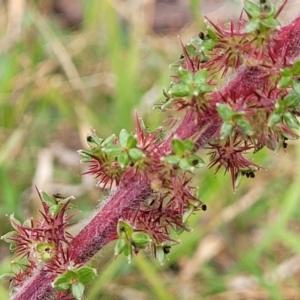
x=109, y=140
x=124, y=229
x=274, y=119
x=226, y=130
x=291, y=100
x=86, y=274
x=113, y=150
x=252, y=25
x=176, y=64
x=14, y=222
x=296, y=87
x=211, y=34
x=237, y=179
x=172, y=159
x=205, y=88
x=93, y=140
x=123, y=159
x=188, y=145
x=291, y=120
x=136, y=154
x=77, y=290
x=47, y=199
x=131, y=142
x=119, y=247
x=16, y=267
x=123, y=137
x=185, y=76
x=85, y=157
x=225, y=111
x=63, y=282
x=160, y=254
x=286, y=72
x=128, y=252
x=178, y=147
x=196, y=161
x=284, y=82
x=296, y=68
x=201, y=76
x=270, y=22
x=252, y=9
x=179, y=90
x=187, y=213
x=245, y=125
x=7, y=276
x=55, y=209
x=209, y=44
x=185, y=164
x=140, y=239
x=190, y=49
x=7, y=237
x=46, y=250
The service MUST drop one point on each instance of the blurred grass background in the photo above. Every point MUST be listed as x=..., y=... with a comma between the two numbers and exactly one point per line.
x=66, y=66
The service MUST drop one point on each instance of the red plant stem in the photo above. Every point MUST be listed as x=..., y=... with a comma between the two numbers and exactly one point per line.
x=102, y=228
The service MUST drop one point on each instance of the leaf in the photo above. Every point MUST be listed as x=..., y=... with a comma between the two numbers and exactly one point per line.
x=185, y=76
x=7, y=237
x=291, y=120
x=291, y=100
x=140, y=239
x=136, y=154
x=14, y=222
x=284, y=82
x=109, y=140
x=63, y=281
x=252, y=25
x=205, y=88
x=131, y=142
x=128, y=252
x=123, y=137
x=55, y=209
x=93, y=140
x=296, y=68
x=160, y=254
x=209, y=44
x=77, y=290
x=226, y=130
x=211, y=34
x=187, y=213
x=188, y=145
x=172, y=159
x=124, y=229
x=179, y=90
x=185, y=164
x=225, y=111
x=178, y=147
x=123, y=159
x=201, y=76
x=274, y=119
x=86, y=274
x=113, y=150
x=252, y=9
x=296, y=87
x=119, y=247
x=7, y=276
x=47, y=199
x=196, y=161
x=245, y=125
x=270, y=22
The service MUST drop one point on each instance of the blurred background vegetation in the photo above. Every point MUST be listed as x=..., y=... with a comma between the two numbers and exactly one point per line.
x=67, y=66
